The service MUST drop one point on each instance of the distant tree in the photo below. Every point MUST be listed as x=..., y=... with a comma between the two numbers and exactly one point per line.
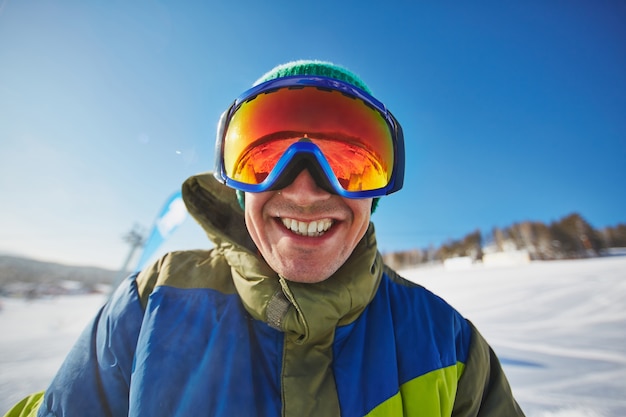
x=575, y=237
x=514, y=235
x=405, y=259
x=470, y=245
x=473, y=245
x=614, y=237
x=542, y=242
x=431, y=253
x=496, y=240
x=534, y=237
x=619, y=236
x=447, y=250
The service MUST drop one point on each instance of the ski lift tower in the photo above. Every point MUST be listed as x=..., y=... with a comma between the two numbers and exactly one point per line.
x=136, y=239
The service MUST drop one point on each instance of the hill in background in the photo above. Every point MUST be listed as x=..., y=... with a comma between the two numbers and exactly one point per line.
x=30, y=278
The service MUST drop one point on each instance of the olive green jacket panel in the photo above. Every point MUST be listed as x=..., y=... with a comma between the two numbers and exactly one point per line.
x=483, y=388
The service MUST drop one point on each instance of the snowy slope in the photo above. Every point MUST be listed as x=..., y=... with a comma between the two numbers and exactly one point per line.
x=558, y=327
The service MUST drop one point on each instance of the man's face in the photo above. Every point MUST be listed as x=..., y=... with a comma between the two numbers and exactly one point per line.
x=303, y=232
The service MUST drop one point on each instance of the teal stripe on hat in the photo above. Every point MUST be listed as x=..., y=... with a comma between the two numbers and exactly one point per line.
x=316, y=68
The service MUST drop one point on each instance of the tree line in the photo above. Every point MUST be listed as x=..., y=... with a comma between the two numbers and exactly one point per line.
x=571, y=237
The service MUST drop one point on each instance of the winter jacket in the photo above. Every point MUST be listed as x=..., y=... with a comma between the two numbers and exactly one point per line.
x=218, y=333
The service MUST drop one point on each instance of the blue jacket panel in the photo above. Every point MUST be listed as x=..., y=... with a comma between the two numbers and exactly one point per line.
x=404, y=333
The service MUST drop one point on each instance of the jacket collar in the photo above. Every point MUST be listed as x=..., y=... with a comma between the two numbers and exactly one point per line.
x=305, y=312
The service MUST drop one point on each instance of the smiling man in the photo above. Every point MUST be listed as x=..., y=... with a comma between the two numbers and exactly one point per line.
x=293, y=312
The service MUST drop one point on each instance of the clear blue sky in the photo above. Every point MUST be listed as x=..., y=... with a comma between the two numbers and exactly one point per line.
x=512, y=110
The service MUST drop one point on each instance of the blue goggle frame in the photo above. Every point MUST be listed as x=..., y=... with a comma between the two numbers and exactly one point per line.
x=305, y=152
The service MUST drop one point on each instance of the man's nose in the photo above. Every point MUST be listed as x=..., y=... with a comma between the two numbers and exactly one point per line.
x=304, y=191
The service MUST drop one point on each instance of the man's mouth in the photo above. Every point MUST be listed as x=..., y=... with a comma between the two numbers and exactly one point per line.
x=310, y=229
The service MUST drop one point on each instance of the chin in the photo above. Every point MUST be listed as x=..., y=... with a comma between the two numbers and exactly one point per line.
x=306, y=277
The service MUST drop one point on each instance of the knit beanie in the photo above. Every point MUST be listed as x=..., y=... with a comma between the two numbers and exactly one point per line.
x=314, y=68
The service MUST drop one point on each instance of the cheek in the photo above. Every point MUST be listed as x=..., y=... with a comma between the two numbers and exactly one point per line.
x=250, y=225
x=362, y=210
x=253, y=212
x=362, y=213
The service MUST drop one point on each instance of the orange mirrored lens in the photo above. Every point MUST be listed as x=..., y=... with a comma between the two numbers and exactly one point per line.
x=354, y=138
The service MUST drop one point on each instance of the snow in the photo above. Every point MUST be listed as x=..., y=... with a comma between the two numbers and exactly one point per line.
x=558, y=327
x=36, y=336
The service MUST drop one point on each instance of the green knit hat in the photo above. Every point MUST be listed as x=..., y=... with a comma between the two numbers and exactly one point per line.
x=315, y=68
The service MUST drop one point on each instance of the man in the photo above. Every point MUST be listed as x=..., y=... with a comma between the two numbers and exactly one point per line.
x=293, y=312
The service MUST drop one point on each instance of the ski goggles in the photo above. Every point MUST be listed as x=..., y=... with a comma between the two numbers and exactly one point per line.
x=350, y=143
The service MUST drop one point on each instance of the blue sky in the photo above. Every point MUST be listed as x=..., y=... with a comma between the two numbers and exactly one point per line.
x=511, y=110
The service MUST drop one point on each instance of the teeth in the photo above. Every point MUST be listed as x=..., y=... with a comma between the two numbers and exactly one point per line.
x=311, y=229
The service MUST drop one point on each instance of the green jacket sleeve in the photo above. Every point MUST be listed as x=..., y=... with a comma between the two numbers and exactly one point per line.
x=483, y=389
x=27, y=407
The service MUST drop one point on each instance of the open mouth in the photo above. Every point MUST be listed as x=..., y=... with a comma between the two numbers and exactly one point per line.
x=314, y=228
